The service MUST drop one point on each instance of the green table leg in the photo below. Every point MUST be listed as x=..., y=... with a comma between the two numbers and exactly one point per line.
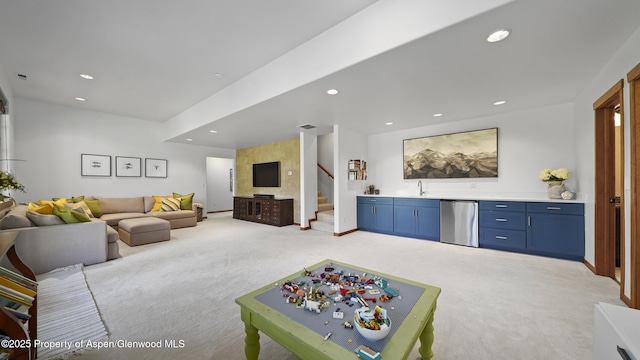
x=251, y=342
x=426, y=338
x=252, y=338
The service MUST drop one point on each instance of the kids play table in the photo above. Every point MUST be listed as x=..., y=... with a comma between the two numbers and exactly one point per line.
x=303, y=332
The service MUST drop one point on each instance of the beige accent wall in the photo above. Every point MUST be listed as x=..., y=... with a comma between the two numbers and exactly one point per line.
x=288, y=153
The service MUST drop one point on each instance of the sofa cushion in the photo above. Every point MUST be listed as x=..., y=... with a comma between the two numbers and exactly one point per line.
x=94, y=206
x=69, y=216
x=170, y=215
x=44, y=219
x=170, y=204
x=80, y=206
x=114, y=219
x=121, y=205
x=16, y=218
x=165, y=203
x=41, y=209
x=186, y=201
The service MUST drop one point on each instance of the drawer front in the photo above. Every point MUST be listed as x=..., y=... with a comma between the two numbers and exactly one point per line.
x=503, y=220
x=512, y=239
x=556, y=208
x=417, y=202
x=375, y=200
x=502, y=206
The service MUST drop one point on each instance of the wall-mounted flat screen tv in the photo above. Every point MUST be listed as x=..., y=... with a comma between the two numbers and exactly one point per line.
x=266, y=174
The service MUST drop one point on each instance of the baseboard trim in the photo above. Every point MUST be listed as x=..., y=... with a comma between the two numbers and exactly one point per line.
x=218, y=211
x=345, y=232
x=305, y=228
x=589, y=266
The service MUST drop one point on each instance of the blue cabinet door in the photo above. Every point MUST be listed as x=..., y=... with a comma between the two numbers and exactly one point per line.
x=366, y=217
x=384, y=218
x=556, y=234
x=428, y=222
x=404, y=220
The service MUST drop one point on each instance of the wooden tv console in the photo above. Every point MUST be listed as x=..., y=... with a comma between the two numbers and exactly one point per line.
x=278, y=212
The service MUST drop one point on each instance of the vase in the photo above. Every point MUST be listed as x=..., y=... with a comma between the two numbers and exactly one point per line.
x=555, y=190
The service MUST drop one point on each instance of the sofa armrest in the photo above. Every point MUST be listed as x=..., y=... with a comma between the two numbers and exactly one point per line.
x=46, y=248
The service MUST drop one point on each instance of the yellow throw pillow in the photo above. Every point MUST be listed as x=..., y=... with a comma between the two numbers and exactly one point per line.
x=157, y=206
x=59, y=202
x=186, y=201
x=40, y=209
x=169, y=203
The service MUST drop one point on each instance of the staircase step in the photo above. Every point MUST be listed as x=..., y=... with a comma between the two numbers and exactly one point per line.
x=322, y=226
x=322, y=200
x=325, y=207
x=325, y=217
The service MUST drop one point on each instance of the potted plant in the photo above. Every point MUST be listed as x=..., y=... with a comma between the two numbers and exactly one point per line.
x=556, y=179
x=8, y=182
x=372, y=188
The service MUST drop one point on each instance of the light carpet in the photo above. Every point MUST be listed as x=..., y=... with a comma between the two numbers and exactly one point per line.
x=67, y=313
x=493, y=305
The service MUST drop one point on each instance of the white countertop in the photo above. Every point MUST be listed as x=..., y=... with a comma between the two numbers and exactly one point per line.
x=475, y=196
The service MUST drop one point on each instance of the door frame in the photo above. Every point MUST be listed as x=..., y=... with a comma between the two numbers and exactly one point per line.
x=604, y=232
x=633, y=77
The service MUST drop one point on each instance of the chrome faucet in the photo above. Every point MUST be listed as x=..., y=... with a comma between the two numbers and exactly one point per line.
x=420, y=186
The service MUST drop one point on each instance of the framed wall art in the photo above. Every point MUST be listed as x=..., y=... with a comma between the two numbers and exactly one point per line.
x=156, y=168
x=95, y=165
x=128, y=166
x=470, y=154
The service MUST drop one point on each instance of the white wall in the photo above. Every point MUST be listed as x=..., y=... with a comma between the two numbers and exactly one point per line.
x=51, y=138
x=6, y=124
x=615, y=70
x=348, y=145
x=528, y=141
x=219, y=190
x=308, y=177
x=325, y=158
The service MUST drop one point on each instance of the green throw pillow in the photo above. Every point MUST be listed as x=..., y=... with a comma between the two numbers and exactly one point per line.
x=94, y=207
x=186, y=201
x=69, y=216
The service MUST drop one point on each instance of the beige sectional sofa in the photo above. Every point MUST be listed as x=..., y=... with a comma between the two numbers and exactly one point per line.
x=49, y=245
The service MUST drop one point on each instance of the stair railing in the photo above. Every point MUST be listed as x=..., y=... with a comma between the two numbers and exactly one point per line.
x=325, y=170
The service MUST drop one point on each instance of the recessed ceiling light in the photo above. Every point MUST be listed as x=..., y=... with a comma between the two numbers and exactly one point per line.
x=81, y=99
x=332, y=91
x=213, y=131
x=499, y=102
x=437, y=115
x=498, y=35
x=86, y=76
x=189, y=139
x=389, y=123
x=218, y=75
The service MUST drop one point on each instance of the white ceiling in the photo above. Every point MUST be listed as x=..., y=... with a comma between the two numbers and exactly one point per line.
x=153, y=62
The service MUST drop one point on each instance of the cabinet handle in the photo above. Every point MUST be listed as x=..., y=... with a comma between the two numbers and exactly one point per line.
x=528, y=220
x=501, y=220
x=501, y=237
x=501, y=206
x=416, y=213
x=373, y=200
x=553, y=208
x=623, y=353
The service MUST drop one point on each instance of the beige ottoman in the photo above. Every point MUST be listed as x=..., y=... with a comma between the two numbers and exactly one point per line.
x=144, y=230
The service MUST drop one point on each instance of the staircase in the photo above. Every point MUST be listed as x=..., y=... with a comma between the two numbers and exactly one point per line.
x=323, y=205
x=325, y=215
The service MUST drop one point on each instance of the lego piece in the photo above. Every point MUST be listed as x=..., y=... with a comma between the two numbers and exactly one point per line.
x=366, y=353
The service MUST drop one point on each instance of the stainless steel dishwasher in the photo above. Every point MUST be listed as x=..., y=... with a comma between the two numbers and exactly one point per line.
x=459, y=222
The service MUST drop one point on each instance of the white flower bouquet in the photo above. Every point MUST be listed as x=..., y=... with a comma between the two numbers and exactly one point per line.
x=560, y=174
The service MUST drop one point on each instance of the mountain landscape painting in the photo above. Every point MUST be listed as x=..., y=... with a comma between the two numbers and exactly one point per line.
x=471, y=154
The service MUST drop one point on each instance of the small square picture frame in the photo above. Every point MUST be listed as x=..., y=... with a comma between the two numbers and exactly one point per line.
x=128, y=166
x=155, y=168
x=95, y=165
